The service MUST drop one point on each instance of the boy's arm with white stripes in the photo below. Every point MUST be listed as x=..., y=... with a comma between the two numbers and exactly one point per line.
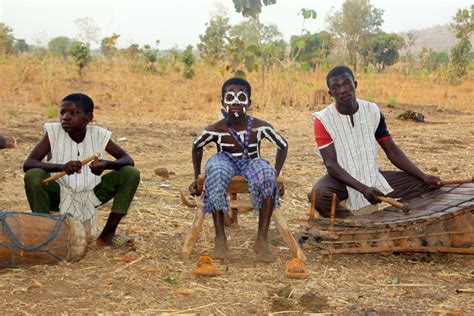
x=202, y=140
x=279, y=142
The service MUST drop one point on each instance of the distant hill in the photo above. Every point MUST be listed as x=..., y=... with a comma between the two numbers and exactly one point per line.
x=439, y=38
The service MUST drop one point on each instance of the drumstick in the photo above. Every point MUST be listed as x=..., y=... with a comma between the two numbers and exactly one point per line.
x=391, y=201
x=96, y=160
x=457, y=181
x=333, y=212
x=312, y=209
x=63, y=173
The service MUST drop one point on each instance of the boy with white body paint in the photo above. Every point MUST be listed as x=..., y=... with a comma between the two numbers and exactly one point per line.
x=238, y=137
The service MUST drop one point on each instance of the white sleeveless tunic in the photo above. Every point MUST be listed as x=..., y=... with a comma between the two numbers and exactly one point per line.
x=77, y=196
x=356, y=147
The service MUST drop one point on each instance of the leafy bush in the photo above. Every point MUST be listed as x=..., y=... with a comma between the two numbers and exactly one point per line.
x=81, y=54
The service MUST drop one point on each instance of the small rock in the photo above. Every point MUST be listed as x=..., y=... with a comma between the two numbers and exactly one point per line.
x=3, y=142
x=7, y=142
x=162, y=172
x=412, y=116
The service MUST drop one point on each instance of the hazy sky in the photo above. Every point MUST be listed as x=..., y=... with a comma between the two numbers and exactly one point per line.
x=180, y=22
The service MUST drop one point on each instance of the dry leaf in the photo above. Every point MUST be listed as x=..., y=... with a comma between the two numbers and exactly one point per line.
x=33, y=285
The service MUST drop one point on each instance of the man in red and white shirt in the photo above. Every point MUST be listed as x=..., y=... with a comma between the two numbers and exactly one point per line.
x=347, y=133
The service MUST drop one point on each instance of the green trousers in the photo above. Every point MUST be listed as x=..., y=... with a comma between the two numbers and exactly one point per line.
x=120, y=185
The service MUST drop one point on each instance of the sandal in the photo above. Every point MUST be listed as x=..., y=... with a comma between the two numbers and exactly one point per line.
x=295, y=269
x=206, y=267
x=123, y=241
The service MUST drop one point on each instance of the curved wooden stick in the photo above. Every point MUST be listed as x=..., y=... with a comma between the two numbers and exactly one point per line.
x=185, y=200
x=287, y=236
x=193, y=234
x=94, y=157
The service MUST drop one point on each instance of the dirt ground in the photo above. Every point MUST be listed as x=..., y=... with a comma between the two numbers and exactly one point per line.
x=154, y=279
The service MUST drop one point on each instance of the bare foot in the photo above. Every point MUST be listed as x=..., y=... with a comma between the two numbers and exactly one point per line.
x=262, y=249
x=104, y=240
x=220, y=248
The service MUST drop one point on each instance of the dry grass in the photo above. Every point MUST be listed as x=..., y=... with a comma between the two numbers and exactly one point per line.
x=158, y=114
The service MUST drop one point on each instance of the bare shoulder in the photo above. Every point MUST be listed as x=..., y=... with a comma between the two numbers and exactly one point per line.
x=218, y=126
x=260, y=123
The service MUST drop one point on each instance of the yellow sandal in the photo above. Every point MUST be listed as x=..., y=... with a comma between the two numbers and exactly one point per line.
x=295, y=269
x=206, y=267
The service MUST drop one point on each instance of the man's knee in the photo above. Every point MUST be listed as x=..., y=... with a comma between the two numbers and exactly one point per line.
x=34, y=177
x=130, y=173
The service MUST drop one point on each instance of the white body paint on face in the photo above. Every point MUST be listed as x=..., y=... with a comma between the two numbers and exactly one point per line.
x=240, y=98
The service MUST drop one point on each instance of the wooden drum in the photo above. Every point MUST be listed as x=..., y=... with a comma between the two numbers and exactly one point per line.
x=31, y=238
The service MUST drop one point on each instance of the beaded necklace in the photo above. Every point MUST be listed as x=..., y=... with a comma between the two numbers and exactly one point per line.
x=245, y=144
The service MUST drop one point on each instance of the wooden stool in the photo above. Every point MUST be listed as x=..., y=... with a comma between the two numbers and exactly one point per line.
x=239, y=185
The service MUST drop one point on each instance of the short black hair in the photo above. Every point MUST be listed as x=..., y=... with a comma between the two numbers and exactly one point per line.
x=82, y=100
x=237, y=82
x=336, y=71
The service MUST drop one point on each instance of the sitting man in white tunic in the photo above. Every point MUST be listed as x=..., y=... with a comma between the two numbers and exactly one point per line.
x=347, y=133
x=65, y=144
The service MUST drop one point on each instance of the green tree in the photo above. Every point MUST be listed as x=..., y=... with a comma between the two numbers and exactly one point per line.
x=188, y=59
x=212, y=45
x=273, y=53
x=432, y=61
x=463, y=27
x=81, y=55
x=252, y=54
x=108, y=45
x=298, y=42
x=251, y=8
x=311, y=49
x=410, y=40
x=22, y=46
x=253, y=33
x=60, y=46
x=356, y=19
x=307, y=14
x=385, y=48
x=173, y=56
x=264, y=44
x=151, y=56
x=6, y=40
x=133, y=51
